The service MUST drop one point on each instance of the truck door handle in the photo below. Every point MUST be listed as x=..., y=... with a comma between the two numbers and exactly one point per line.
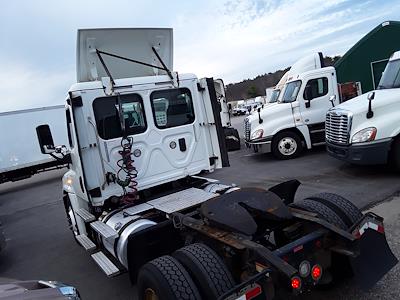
x=182, y=144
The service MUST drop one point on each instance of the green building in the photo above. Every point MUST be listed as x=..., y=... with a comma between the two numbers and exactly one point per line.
x=367, y=59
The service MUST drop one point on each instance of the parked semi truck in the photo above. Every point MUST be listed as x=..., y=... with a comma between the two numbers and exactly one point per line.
x=135, y=200
x=20, y=155
x=297, y=121
x=366, y=129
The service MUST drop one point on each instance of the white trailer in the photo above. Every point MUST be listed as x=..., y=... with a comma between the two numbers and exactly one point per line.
x=20, y=154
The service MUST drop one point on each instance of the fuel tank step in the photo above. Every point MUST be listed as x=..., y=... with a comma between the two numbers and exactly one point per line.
x=104, y=230
x=85, y=215
x=85, y=242
x=105, y=264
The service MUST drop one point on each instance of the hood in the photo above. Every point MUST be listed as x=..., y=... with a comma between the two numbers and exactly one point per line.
x=132, y=43
x=359, y=104
x=268, y=112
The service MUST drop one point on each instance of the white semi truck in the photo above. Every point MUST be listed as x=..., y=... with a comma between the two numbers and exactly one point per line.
x=20, y=155
x=366, y=129
x=140, y=137
x=297, y=121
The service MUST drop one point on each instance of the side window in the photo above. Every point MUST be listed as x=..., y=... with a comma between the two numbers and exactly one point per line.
x=316, y=88
x=69, y=129
x=107, y=117
x=173, y=107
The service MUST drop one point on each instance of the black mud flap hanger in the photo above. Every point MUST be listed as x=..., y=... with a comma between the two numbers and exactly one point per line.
x=375, y=257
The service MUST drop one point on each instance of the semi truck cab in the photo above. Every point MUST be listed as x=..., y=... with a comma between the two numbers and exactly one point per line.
x=365, y=130
x=140, y=135
x=297, y=121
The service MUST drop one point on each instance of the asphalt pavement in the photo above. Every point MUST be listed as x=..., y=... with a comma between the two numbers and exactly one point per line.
x=40, y=246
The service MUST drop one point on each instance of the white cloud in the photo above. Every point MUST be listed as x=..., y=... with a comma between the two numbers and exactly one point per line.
x=233, y=39
x=25, y=87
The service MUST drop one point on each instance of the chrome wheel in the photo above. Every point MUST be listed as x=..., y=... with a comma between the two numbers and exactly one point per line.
x=287, y=146
x=150, y=294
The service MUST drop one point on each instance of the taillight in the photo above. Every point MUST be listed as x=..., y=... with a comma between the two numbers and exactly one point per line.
x=316, y=272
x=251, y=293
x=296, y=283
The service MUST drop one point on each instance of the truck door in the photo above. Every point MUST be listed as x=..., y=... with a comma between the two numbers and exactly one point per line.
x=314, y=103
x=220, y=93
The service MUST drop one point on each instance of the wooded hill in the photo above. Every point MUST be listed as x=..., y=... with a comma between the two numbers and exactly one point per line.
x=250, y=88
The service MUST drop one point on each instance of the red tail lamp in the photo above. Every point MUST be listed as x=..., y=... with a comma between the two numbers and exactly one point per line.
x=296, y=283
x=316, y=272
x=253, y=292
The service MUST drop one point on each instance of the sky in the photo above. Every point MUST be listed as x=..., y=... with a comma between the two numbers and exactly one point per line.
x=228, y=39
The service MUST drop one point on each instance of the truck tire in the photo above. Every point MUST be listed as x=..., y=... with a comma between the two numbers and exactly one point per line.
x=286, y=145
x=349, y=213
x=232, y=139
x=323, y=211
x=165, y=278
x=207, y=270
x=395, y=154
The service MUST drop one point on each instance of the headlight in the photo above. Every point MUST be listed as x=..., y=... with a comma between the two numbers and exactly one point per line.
x=364, y=135
x=67, y=183
x=257, y=134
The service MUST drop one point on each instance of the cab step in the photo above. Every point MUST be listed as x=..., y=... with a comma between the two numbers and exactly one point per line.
x=105, y=264
x=104, y=230
x=85, y=242
x=85, y=215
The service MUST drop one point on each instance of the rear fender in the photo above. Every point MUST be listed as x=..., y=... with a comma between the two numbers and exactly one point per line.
x=375, y=257
x=286, y=190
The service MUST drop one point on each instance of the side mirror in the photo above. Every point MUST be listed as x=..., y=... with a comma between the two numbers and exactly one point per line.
x=259, y=115
x=307, y=96
x=370, y=97
x=230, y=106
x=45, y=139
x=332, y=100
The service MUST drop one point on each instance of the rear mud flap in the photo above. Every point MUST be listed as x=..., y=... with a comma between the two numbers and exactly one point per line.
x=374, y=261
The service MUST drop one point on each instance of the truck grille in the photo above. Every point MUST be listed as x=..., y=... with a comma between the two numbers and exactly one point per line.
x=246, y=129
x=337, y=127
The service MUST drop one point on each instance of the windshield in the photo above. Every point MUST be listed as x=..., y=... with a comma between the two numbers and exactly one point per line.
x=291, y=91
x=391, y=76
x=274, y=96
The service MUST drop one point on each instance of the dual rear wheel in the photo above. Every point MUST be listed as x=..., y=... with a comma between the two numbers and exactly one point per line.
x=193, y=272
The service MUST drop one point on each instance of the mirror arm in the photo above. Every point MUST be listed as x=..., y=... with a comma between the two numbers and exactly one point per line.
x=370, y=113
x=259, y=116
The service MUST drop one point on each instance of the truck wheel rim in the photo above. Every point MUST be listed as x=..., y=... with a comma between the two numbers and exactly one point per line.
x=72, y=219
x=150, y=294
x=287, y=146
